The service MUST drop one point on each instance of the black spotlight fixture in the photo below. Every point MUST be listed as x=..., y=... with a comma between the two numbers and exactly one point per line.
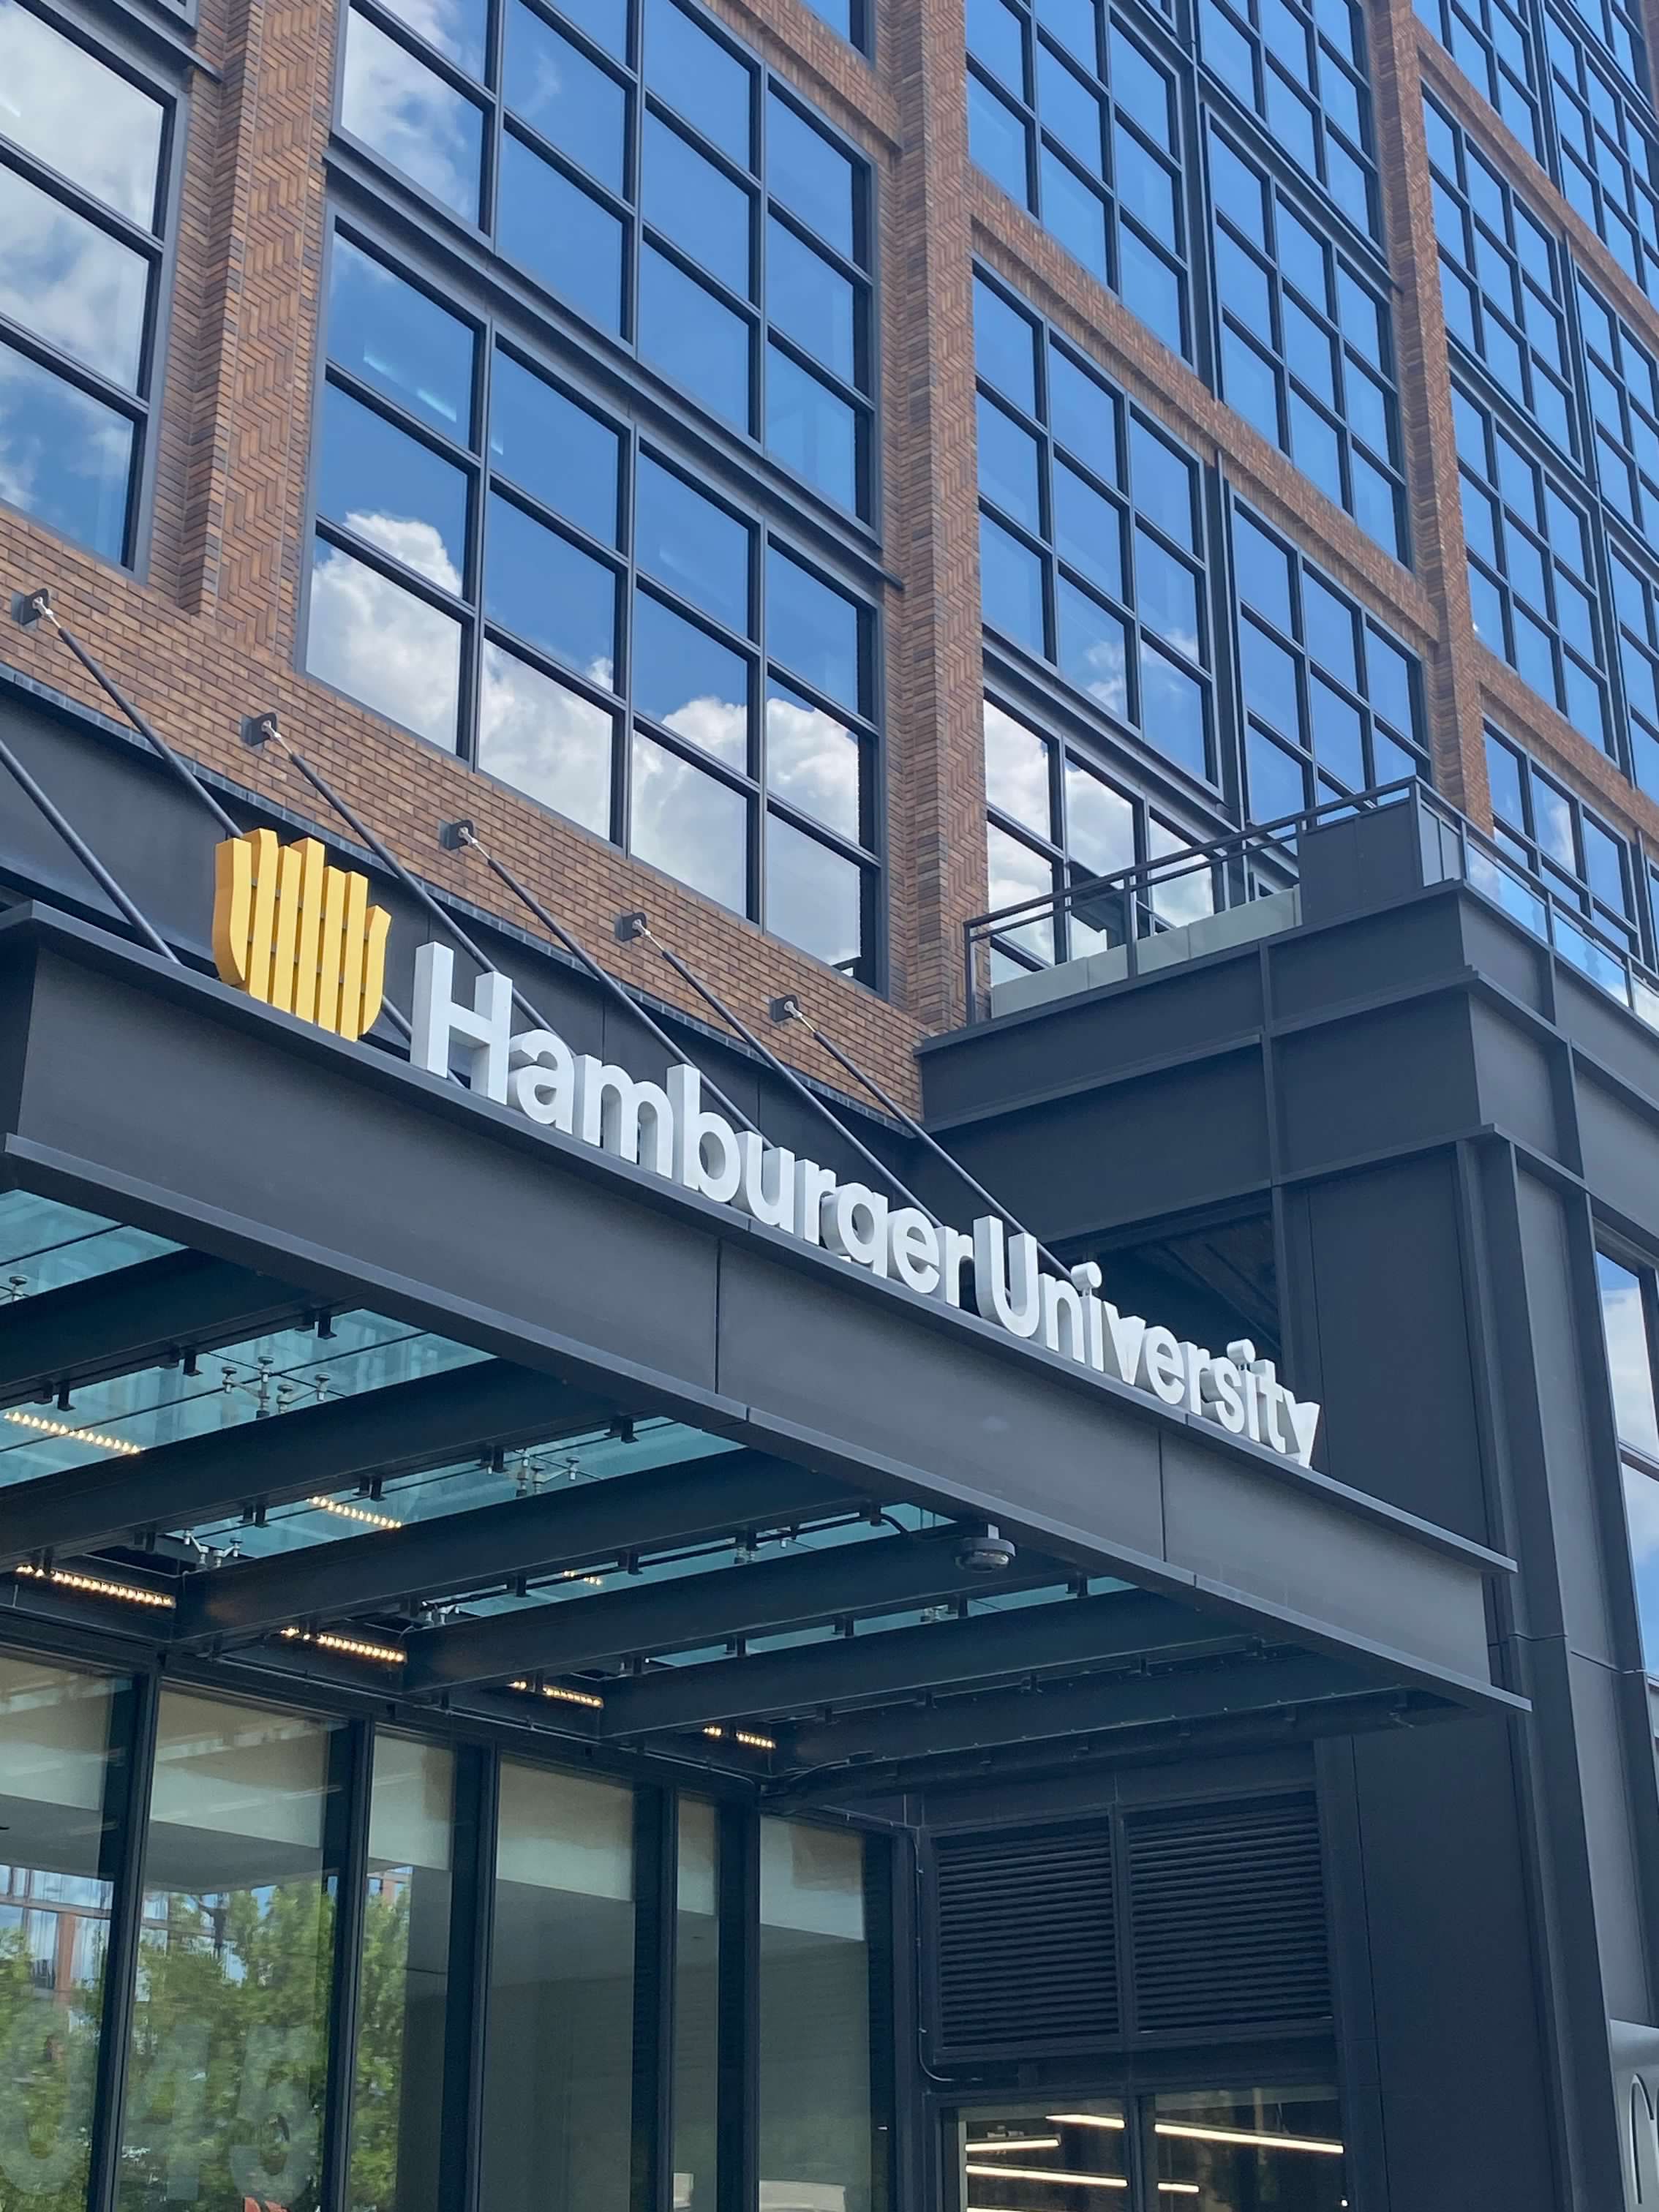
x=983, y=1552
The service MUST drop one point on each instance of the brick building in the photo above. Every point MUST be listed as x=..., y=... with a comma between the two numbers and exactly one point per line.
x=1109, y=549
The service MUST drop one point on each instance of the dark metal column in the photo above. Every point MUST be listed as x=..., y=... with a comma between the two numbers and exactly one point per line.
x=471, y=1916
x=737, y=2183
x=655, y=1895
x=350, y=1757
x=121, y=1863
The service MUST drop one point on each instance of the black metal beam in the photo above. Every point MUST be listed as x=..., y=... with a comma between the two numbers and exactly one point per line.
x=317, y=1448
x=1073, y=1631
x=684, y=1503
x=700, y=1608
x=1082, y=1708
x=136, y=1316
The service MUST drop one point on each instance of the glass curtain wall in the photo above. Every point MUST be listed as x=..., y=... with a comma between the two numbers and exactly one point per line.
x=559, y=2036
x=398, y=2092
x=60, y=1758
x=815, y=2117
x=228, y=2049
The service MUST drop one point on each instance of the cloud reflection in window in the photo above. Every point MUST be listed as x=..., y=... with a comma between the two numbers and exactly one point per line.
x=370, y=638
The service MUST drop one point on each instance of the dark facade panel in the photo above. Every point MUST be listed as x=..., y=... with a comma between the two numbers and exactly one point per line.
x=1375, y=1082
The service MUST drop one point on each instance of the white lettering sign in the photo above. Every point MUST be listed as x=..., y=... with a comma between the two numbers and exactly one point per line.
x=666, y=1128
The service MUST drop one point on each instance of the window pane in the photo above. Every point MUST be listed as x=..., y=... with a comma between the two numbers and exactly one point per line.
x=1008, y=465
x=64, y=457
x=1630, y=1356
x=809, y=301
x=1185, y=894
x=689, y=681
x=1092, y=648
x=560, y=233
x=811, y=429
x=230, y=2026
x=1005, y=347
x=395, y=338
x=697, y=204
x=390, y=489
x=378, y=643
x=815, y=630
x=693, y=546
x=410, y=117
x=1249, y=2147
x=689, y=824
x=703, y=344
x=1172, y=710
x=694, y=72
x=1100, y=823
x=1087, y=2138
x=457, y=29
x=815, y=2119
x=814, y=897
x=575, y=104
x=558, y=2055
x=1016, y=874
x=812, y=760
x=69, y=282
x=560, y=453
x=398, y=2103
x=545, y=739
x=1084, y=416
x=999, y=141
x=1010, y=585
x=1017, y=770
x=813, y=179
x=59, y=1758
x=697, y=2011
x=605, y=22
x=550, y=593
x=93, y=127
x=1088, y=530
x=1642, y=1520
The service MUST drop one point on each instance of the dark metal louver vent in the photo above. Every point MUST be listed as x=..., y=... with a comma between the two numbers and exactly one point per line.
x=1026, y=1942
x=1227, y=1917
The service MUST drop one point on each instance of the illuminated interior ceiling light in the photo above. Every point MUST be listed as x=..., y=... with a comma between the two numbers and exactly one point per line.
x=1018, y=2142
x=363, y=1513
x=1253, y=2140
x=747, y=1737
x=98, y=1586
x=575, y=1575
x=354, y=1647
x=1178, y=2189
x=1084, y=2119
x=556, y=1689
x=1046, y=2174
x=48, y=1427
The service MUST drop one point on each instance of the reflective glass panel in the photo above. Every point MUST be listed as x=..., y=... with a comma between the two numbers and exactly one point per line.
x=574, y=104
x=704, y=344
x=71, y=284
x=390, y=489
x=394, y=337
x=1630, y=1356
x=549, y=592
x=814, y=629
x=410, y=117
x=689, y=824
x=812, y=761
x=558, y=2058
x=546, y=739
x=560, y=233
x=380, y=644
x=814, y=896
x=1016, y=768
x=696, y=203
x=815, y=2144
x=457, y=29
x=229, y=2042
x=1009, y=2152
x=809, y=301
x=687, y=542
x=65, y=458
x=59, y=1734
x=813, y=178
x=1642, y=1520
x=397, y=2098
x=59, y=103
x=1238, y=2149
x=690, y=683
x=556, y=450
x=810, y=429
x=703, y=79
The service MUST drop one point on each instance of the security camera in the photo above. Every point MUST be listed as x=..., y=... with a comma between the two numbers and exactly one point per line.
x=985, y=1553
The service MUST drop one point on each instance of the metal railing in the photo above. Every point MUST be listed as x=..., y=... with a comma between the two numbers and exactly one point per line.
x=1131, y=907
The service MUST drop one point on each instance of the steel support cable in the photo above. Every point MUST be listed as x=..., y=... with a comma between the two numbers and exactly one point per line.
x=462, y=837
x=636, y=925
x=84, y=854
x=790, y=1010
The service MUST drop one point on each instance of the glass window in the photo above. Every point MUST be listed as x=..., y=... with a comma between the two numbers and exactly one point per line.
x=1621, y=378
x=1108, y=182
x=697, y=2006
x=79, y=254
x=1306, y=351
x=1531, y=570
x=558, y=2049
x=1503, y=279
x=676, y=271
x=61, y=1763
x=1237, y=2149
x=1120, y=558
x=468, y=582
x=1618, y=25
x=1635, y=582
x=1609, y=155
x=1586, y=868
x=1630, y=1318
x=229, y=2046
x=817, y=2141
x=1303, y=72
x=403, y=1984
x=1007, y=2152
x=1323, y=676
x=1493, y=42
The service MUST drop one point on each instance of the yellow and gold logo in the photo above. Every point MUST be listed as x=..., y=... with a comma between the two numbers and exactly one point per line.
x=297, y=933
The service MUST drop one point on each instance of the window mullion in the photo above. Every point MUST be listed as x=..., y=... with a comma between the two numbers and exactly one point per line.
x=353, y=1752
x=124, y=1835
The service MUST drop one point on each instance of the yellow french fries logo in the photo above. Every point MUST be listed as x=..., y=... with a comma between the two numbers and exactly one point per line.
x=297, y=933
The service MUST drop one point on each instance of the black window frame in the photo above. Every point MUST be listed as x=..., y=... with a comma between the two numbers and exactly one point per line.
x=1573, y=892
x=133, y=58
x=1583, y=177
x=498, y=123
x=639, y=432
x=1454, y=22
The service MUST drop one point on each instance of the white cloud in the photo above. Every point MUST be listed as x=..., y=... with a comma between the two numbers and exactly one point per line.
x=395, y=104
x=813, y=763
x=370, y=638
x=689, y=824
x=69, y=283
x=719, y=725
x=547, y=739
x=90, y=124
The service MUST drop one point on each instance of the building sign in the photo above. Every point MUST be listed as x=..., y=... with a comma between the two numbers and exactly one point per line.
x=299, y=934
x=666, y=1128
